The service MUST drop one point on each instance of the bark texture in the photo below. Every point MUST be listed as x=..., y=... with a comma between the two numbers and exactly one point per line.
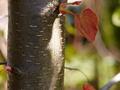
x=35, y=45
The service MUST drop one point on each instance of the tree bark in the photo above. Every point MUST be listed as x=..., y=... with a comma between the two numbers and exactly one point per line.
x=36, y=47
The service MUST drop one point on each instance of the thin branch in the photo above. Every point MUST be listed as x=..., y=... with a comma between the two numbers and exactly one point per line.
x=114, y=80
x=3, y=16
x=3, y=63
x=69, y=68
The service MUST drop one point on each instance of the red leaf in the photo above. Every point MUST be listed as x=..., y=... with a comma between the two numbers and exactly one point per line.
x=76, y=3
x=88, y=87
x=87, y=23
x=8, y=68
x=63, y=5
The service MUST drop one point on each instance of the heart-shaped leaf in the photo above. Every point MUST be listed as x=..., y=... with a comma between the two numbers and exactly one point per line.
x=87, y=23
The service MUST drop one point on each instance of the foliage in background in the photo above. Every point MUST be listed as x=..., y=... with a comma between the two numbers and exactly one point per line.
x=98, y=69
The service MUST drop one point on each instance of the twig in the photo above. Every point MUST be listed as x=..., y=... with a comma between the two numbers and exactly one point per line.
x=3, y=63
x=114, y=80
x=3, y=16
x=69, y=68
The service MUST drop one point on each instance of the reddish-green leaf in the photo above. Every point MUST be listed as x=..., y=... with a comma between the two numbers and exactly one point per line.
x=87, y=23
x=63, y=5
x=8, y=68
x=88, y=87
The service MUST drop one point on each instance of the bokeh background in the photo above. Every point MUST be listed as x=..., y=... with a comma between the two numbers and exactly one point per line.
x=99, y=61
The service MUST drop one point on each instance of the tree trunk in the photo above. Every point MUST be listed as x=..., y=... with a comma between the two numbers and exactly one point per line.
x=35, y=45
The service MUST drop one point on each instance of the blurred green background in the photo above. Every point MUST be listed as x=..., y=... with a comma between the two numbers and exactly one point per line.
x=98, y=60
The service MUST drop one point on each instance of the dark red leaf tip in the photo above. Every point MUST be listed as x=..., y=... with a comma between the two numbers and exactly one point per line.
x=8, y=68
x=76, y=3
x=88, y=87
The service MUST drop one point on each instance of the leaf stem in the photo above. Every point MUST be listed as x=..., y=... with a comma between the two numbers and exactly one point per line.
x=67, y=11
